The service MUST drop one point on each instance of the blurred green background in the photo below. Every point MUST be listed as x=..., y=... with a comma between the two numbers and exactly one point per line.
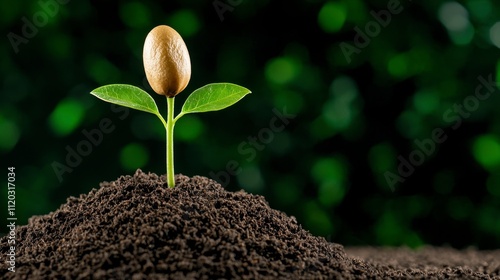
x=353, y=122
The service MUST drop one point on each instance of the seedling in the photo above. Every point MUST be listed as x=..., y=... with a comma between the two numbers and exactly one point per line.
x=168, y=70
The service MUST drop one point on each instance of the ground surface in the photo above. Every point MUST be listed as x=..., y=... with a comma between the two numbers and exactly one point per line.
x=137, y=228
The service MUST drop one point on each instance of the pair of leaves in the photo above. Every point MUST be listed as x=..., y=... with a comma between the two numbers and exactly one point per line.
x=212, y=97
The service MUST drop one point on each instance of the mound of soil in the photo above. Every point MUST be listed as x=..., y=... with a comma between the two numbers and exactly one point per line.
x=138, y=228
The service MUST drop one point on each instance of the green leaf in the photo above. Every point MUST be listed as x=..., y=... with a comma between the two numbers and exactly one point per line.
x=213, y=97
x=128, y=96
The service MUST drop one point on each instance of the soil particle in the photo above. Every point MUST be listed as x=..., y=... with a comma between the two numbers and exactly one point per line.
x=429, y=262
x=138, y=228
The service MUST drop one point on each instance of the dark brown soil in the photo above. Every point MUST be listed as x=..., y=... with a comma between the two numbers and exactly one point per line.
x=137, y=228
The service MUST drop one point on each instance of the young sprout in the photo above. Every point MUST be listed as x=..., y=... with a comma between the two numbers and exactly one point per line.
x=168, y=70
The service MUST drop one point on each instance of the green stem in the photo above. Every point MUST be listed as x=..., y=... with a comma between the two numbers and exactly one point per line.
x=170, y=142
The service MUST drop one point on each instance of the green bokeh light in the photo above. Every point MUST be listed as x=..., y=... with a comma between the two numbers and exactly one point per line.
x=317, y=220
x=282, y=70
x=426, y=101
x=495, y=34
x=135, y=14
x=134, y=156
x=325, y=169
x=250, y=178
x=331, y=193
x=66, y=117
x=185, y=22
x=453, y=16
x=332, y=16
x=101, y=70
x=493, y=184
x=392, y=227
x=341, y=109
x=189, y=127
x=486, y=150
x=398, y=65
x=388, y=229
x=410, y=63
x=456, y=20
x=337, y=114
x=463, y=37
x=10, y=134
x=488, y=218
x=480, y=9
x=330, y=175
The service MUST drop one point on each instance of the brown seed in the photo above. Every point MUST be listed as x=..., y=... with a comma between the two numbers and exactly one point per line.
x=166, y=61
